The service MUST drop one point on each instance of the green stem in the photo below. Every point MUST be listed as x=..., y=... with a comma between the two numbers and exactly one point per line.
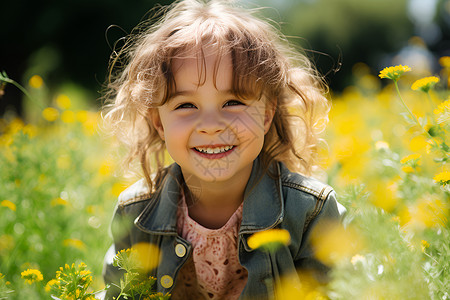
x=412, y=115
x=275, y=269
x=433, y=106
x=21, y=88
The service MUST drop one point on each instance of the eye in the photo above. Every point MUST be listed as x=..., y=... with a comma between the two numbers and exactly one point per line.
x=233, y=103
x=185, y=105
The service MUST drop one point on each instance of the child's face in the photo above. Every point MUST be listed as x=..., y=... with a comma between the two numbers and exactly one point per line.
x=209, y=132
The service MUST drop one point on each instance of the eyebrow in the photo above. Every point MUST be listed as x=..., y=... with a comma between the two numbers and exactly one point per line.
x=190, y=93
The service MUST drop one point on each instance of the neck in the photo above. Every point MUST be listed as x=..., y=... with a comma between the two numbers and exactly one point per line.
x=211, y=204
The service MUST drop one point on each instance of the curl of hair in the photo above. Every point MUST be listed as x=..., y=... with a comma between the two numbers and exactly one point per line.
x=265, y=67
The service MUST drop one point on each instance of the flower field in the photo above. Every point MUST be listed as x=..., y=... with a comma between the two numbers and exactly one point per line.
x=386, y=154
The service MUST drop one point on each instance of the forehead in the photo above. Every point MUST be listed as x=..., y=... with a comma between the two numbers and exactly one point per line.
x=195, y=68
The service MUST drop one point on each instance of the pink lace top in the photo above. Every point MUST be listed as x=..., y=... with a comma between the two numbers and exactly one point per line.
x=213, y=270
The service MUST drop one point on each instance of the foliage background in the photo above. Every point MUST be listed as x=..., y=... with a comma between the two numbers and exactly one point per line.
x=57, y=183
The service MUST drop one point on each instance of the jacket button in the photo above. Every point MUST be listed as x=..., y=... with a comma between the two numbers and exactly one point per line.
x=180, y=250
x=166, y=281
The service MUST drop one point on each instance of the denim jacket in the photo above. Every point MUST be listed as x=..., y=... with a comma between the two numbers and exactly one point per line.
x=291, y=201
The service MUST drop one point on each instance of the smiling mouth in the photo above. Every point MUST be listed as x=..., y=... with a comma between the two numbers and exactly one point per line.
x=214, y=150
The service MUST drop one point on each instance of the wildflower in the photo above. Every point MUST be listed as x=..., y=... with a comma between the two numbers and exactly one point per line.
x=68, y=116
x=6, y=242
x=144, y=256
x=424, y=245
x=74, y=243
x=36, y=81
x=333, y=243
x=106, y=167
x=51, y=284
x=442, y=178
x=429, y=213
x=418, y=143
x=394, y=73
x=443, y=107
x=357, y=259
x=30, y=130
x=425, y=84
x=269, y=239
x=118, y=188
x=32, y=275
x=381, y=145
x=445, y=61
x=289, y=287
x=148, y=255
x=409, y=158
x=8, y=204
x=63, y=101
x=50, y=114
x=384, y=195
x=59, y=201
x=408, y=169
x=158, y=296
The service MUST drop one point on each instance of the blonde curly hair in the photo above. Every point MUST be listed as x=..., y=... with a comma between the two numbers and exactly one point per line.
x=265, y=66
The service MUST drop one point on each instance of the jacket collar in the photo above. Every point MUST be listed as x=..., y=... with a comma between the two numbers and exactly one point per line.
x=263, y=203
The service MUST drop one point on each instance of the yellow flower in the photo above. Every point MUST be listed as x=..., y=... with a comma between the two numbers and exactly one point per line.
x=333, y=243
x=381, y=145
x=425, y=84
x=445, y=61
x=50, y=114
x=59, y=201
x=289, y=287
x=51, y=283
x=443, y=107
x=36, y=81
x=118, y=188
x=32, y=275
x=107, y=167
x=30, y=130
x=394, y=73
x=429, y=213
x=408, y=169
x=384, y=195
x=63, y=101
x=410, y=157
x=269, y=239
x=357, y=258
x=442, y=178
x=424, y=245
x=75, y=243
x=8, y=204
x=68, y=116
x=146, y=261
x=418, y=143
x=6, y=243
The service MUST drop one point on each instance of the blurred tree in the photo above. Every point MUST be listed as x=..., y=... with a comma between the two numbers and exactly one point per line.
x=63, y=40
x=345, y=31
x=442, y=46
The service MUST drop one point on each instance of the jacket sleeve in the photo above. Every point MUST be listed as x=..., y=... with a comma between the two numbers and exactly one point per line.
x=329, y=215
x=120, y=231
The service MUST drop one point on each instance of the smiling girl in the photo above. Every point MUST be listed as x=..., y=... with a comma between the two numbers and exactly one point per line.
x=238, y=111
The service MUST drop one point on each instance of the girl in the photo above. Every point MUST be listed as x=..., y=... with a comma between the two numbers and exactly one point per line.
x=238, y=112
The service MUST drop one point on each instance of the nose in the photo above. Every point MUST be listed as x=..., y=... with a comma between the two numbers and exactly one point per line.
x=211, y=122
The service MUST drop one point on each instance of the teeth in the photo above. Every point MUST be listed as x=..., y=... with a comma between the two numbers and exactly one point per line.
x=214, y=150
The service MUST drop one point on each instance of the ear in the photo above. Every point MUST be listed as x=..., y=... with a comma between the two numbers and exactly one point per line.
x=269, y=113
x=156, y=121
